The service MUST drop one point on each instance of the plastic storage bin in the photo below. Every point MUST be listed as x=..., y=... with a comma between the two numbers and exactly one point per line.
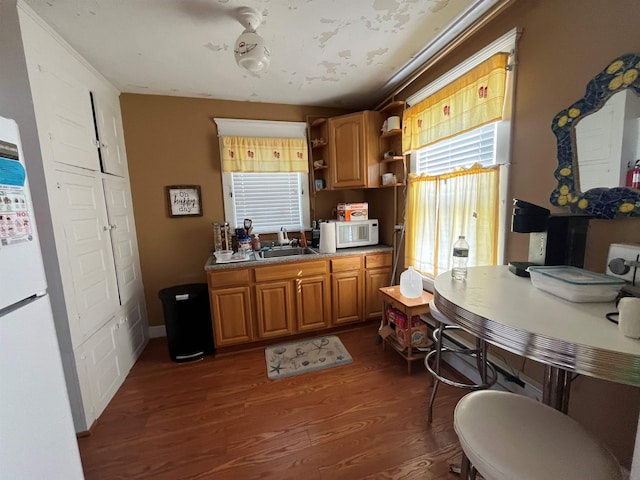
x=575, y=284
x=187, y=319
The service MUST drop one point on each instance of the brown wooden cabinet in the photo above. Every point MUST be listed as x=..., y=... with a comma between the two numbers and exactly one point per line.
x=291, y=298
x=377, y=274
x=274, y=309
x=313, y=302
x=347, y=289
x=230, y=298
x=282, y=299
x=354, y=150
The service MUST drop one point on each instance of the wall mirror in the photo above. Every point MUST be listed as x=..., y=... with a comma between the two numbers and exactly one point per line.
x=598, y=139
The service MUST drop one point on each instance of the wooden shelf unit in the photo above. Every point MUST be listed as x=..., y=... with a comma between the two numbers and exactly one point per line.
x=317, y=136
x=391, y=141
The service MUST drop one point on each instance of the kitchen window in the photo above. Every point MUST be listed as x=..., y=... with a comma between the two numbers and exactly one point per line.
x=265, y=174
x=459, y=164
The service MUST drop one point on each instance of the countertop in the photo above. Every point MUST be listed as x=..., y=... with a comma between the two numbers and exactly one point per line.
x=252, y=262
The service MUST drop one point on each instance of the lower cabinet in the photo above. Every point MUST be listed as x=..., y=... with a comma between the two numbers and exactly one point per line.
x=377, y=274
x=313, y=303
x=347, y=289
x=292, y=298
x=278, y=300
x=106, y=357
x=274, y=309
x=231, y=312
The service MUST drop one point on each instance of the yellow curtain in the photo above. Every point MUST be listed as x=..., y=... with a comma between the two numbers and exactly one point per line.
x=470, y=101
x=442, y=207
x=264, y=154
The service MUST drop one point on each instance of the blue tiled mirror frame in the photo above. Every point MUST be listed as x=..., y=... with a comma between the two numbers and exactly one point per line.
x=608, y=203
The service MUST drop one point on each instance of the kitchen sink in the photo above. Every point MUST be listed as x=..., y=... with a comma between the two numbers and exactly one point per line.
x=275, y=252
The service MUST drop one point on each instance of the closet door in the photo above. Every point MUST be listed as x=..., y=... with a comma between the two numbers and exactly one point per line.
x=88, y=244
x=123, y=237
x=109, y=126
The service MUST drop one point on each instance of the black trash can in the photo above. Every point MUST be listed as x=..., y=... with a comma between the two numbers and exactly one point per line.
x=187, y=319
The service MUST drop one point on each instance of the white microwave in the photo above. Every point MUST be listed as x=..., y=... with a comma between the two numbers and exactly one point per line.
x=356, y=234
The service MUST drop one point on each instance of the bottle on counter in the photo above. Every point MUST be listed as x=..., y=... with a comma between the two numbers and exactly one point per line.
x=460, y=258
x=257, y=246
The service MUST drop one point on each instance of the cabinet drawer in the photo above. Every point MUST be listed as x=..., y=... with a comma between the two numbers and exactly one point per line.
x=378, y=260
x=290, y=271
x=346, y=263
x=229, y=277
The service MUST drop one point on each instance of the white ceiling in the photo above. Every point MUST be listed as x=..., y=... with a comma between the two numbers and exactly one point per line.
x=340, y=53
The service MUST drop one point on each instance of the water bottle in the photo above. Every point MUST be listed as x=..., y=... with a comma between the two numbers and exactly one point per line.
x=460, y=257
x=410, y=283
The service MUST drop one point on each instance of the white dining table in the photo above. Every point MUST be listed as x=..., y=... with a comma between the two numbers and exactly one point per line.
x=567, y=337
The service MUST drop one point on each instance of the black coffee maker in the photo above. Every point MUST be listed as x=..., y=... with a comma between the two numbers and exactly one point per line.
x=554, y=239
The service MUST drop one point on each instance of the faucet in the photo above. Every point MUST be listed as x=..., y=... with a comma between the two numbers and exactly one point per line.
x=283, y=238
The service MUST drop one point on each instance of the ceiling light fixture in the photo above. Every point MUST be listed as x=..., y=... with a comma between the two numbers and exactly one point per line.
x=250, y=50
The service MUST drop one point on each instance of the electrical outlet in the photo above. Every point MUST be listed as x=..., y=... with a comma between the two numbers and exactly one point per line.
x=618, y=259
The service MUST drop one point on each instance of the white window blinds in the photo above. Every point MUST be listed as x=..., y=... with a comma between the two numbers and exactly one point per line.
x=462, y=150
x=270, y=200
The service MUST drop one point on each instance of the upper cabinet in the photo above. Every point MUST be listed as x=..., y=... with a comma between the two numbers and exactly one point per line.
x=358, y=150
x=354, y=151
x=111, y=141
x=71, y=133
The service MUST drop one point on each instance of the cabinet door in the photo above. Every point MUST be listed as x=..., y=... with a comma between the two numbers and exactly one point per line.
x=71, y=128
x=346, y=135
x=347, y=297
x=100, y=355
x=274, y=307
x=374, y=279
x=89, y=253
x=111, y=140
x=313, y=299
x=123, y=237
x=133, y=332
x=231, y=314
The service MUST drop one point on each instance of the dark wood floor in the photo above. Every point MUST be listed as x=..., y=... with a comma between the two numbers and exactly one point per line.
x=221, y=418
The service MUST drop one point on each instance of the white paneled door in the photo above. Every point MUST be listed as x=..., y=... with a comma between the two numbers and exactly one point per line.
x=123, y=236
x=72, y=132
x=87, y=232
x=109, y=124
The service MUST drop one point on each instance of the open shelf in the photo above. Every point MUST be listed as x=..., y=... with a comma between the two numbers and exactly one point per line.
x=323, y=167
x=318, y=145
x=396, y=105
x=392, y=133
x=317, y=122
x=397, y=158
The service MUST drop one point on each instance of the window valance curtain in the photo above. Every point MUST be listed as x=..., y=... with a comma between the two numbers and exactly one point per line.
x=470, y=101
x=264, y=154
x=441, y=207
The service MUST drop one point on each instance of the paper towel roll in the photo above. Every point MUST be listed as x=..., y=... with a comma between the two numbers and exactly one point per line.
x=327, y=237
x=629, y=320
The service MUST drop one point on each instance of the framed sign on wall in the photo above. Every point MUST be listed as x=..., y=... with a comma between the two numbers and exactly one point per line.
x=184, y=200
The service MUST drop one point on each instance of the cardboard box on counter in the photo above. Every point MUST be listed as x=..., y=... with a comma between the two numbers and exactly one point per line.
x=353, y=212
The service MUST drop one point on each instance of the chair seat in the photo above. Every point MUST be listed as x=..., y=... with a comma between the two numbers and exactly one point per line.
x=508, y=436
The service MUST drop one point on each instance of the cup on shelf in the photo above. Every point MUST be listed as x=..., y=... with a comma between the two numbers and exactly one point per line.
x=393, y=123
x=388, y=179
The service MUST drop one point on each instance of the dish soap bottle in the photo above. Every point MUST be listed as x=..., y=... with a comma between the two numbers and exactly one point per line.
x=256, y=243
x=410, y=283
x=459, y=260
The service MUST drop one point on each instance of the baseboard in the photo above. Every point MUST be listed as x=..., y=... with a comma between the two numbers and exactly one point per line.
x=157, y=331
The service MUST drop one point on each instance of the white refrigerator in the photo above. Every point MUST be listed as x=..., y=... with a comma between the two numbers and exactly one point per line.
x=37, y=437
